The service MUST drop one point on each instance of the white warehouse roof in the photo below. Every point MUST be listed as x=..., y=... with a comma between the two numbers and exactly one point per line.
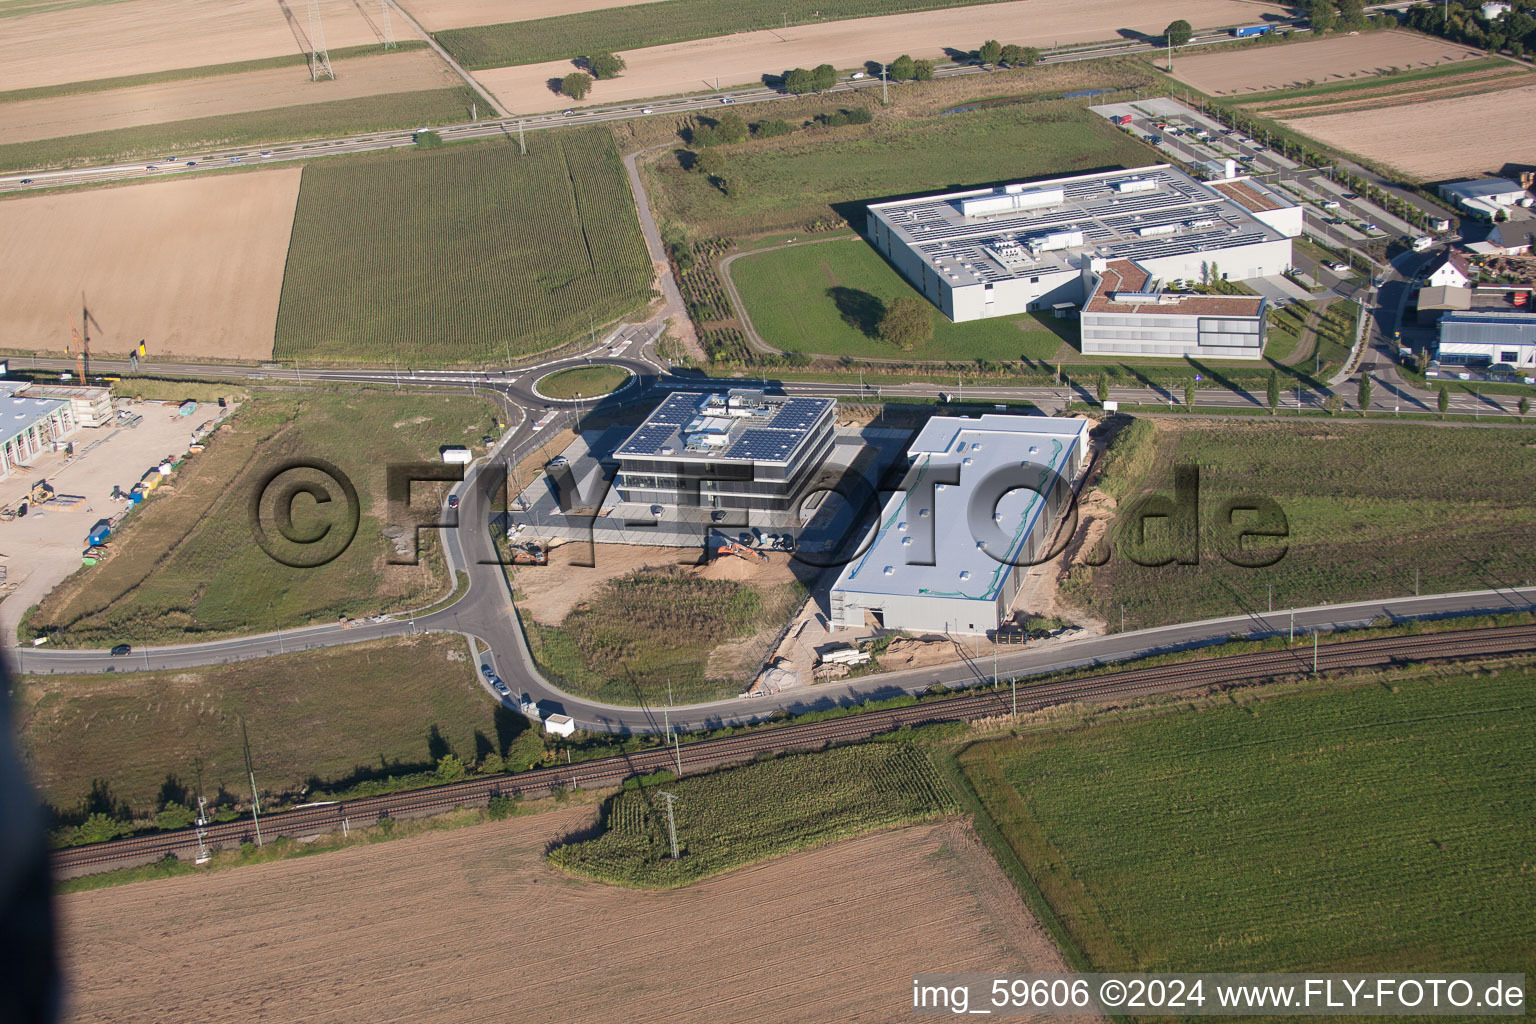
x=913, y=529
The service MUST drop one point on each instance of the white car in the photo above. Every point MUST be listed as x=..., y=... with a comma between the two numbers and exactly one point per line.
x=726, y=99
x=647, y=110
x=266, y=153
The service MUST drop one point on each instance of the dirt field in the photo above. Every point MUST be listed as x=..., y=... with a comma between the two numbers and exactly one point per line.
x=194, y=266
x=548, y=593
x=58, y=116
x=105, y=40
x=439, y=14
x=1437, y=128
x=472, y=925
x=746, y=57
x=42, y=549
x=1320, y=61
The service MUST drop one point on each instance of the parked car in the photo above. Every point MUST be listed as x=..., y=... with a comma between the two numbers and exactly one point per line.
x=121, y=649
x=1350, y=195
x=1338, y=268
x=501, y=688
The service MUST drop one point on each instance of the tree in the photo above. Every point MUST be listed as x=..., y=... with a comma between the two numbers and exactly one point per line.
x=604, y=65
x=1351, y=13
x=799, y=82
x=1103, y=388
x=1030, y=57
x=1363, y=397
x=704, y=135
x=1012, y=55
x=824, y=77
x=428, y=140
x=991, y=52
x=576, y=84
x=449, y=769
x=902, y=68
x=1333, y=403
x=174, y=815
x=732, y=128
x=1189, y=394
x=1525, y=407
x=1321, y=15
x=922, y=70
x=907, y=323
x=710, y=163
x=1443, y=400
x=1178, y=32
x=1272, y=391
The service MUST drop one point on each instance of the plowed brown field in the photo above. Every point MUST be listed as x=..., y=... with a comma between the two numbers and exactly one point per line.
x=135, y=37
x=1224, y=73
x=193, y=266
x=473, y=925
x=439, y=14
x=745, y=57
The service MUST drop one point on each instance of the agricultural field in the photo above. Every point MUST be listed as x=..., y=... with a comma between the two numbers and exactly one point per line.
x=28, y=120
x=475, y=254
x=759, y=811
x=186, y=568
x=1366, y=507
x=435, y=15
x=1317, y=62
x=347, y=935
x=62, y=43
x=192, y=267
x=326, y=719
x=1379, y=824
x=823, y=173
x=694, y=632
x=827, y=298
x=583, y=382
x=744, y=58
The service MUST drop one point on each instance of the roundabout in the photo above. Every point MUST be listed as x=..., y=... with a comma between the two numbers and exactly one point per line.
x=581, y=383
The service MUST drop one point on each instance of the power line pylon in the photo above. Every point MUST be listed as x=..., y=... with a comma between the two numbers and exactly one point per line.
x=389, y=28
x=671, y=822
x=319, y=57
x=202, y=831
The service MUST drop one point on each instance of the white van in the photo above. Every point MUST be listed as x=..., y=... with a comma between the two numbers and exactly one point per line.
x=1422, y=243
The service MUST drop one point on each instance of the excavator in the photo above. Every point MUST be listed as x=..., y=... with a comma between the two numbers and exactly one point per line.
x=727, y=546
x=529, y=554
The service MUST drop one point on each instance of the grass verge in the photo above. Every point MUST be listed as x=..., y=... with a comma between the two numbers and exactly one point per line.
x=740, y=816
x=583, y=382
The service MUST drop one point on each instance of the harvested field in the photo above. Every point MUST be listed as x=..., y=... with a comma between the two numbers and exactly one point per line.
x=83, y=113
x=1437, y=129
x=107, y=40
x=436, y=14
x=1394, y=91
x=745, y=57
x=461, y=925
x=1340, y=58
x=194, y=267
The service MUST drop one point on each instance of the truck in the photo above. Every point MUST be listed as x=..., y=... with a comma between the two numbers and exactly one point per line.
x=1251, y=30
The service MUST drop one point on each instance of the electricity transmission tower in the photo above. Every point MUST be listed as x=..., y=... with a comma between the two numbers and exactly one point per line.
x=389, y=27
x=251, y=772
x=202, y=831
x=671, y=822
x=319, y=56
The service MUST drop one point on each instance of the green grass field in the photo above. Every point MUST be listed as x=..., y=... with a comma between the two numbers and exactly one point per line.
x=185, y=566
x=827, y=298
x=653, y=629
x=1366, y=505
x=323, y=718
x=670, y=21
x=474, y=254
x=743, y=815
x=787, y=182
x=257, y=127
x=1379, y=825
x=582, y=381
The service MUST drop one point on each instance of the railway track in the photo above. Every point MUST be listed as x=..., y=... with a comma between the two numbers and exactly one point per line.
x=310, y=821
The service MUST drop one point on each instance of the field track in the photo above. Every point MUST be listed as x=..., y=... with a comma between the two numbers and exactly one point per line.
x=309, y=821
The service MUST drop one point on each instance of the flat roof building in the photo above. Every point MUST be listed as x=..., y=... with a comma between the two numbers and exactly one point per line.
x=30, y=426
x=979, y=503
x=1126, y=315
x=1485, y=337
x=1025, y=247
x=741, y=450
x=1484, y=197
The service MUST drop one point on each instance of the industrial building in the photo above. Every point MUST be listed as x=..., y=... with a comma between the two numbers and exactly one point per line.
x=92, y=406
x=1486, y=197
x=30, y=426
x=1482, y=337
x=1043, y=245
x=977, y=507
x=742, y=450
x=1125, y=315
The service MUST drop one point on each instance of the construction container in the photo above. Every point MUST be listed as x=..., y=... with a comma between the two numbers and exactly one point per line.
x=186, y=408
x=560, y=725
x=100, y=532
x=457, y=455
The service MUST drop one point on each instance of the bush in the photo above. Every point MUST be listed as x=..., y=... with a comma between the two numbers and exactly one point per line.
x=860, y=115
x=500, y=807
x=838, y=119
x=771, y=129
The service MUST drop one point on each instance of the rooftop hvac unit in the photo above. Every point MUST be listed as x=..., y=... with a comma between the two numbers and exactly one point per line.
x=1203, y=223
x=1008, y=202
x=1056, y=240
x=1137, y=185
x=1157, y=229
